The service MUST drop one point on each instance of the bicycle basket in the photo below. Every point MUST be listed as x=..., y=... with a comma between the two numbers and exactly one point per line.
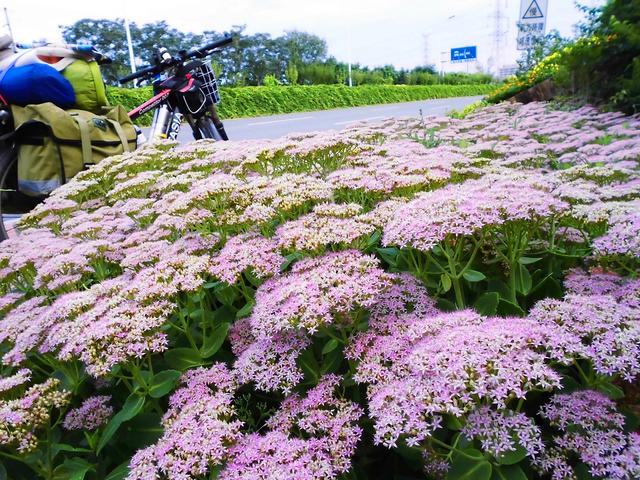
x=205, y=74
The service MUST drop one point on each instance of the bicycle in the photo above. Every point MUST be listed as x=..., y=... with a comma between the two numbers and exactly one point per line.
x=189, y=91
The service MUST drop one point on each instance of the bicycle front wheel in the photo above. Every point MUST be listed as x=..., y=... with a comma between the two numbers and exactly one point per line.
x=207, y=128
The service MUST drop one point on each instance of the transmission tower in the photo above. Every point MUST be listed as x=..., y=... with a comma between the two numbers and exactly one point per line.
x=499, y=34
x=426, y=49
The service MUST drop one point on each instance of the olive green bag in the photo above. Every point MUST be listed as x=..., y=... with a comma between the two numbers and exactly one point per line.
x=54, y=144
x=87, y=83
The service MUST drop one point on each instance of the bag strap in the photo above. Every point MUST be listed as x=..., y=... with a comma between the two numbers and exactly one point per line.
x=120, y=132
x=85, y=138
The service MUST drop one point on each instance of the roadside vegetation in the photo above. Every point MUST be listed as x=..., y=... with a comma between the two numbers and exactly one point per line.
x=602, y=66
x=253, y=101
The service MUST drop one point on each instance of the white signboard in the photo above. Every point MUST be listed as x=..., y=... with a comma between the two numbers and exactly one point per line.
x=532, y=22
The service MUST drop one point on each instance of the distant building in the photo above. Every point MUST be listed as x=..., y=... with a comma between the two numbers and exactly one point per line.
x=507, y=71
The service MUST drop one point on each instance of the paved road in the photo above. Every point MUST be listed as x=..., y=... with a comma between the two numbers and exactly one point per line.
x=278, y=125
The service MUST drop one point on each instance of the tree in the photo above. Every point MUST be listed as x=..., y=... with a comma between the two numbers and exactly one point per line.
x=292, y=74
x=109, y=37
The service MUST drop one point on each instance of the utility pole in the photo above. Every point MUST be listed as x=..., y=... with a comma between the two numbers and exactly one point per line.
x=443, y=60
x=13, y=42
x=132, y=58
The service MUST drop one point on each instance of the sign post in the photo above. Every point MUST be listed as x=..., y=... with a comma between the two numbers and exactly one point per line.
x=532, y=22
x=464, y=54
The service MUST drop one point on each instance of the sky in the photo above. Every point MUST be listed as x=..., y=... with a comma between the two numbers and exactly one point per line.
x=369, y=32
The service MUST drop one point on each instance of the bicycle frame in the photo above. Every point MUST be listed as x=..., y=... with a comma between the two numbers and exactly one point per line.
x=172, y=127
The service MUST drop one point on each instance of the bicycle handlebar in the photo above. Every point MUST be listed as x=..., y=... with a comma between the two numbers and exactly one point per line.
x=202, y=51
x=197, y=53
x=139, y=73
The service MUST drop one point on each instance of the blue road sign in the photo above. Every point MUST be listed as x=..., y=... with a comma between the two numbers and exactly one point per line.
x=464, y=54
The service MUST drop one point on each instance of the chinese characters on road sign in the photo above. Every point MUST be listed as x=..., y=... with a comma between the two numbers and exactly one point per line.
x=531, y=24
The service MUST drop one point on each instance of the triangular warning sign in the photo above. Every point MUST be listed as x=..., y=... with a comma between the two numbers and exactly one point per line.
x=533, y=11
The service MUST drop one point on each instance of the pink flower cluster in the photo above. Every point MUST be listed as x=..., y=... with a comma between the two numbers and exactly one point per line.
x=93, y=413
x=446, y=364
x=464, y=209
x=501, y=432
x=21, y=418
x=308, y=438
x=199, y=427
x=244, y=252
x=591, y=429
x=318, y=292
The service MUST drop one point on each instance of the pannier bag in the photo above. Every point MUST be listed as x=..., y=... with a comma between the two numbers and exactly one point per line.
x=54, y=144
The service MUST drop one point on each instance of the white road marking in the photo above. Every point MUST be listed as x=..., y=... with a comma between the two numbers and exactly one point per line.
x=280, y=121
x=377, y=117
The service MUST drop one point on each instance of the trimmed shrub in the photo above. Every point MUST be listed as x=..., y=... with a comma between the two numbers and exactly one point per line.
x=254, y=101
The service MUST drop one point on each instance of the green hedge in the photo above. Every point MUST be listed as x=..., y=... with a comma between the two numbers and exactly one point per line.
x=254, y=101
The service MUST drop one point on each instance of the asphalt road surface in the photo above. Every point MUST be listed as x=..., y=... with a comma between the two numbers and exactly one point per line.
x=276, y=126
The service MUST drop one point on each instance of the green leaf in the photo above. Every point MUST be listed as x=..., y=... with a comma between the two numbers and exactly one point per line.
x=487, y=303
x=631, y=419
x=214, y=340
x=72, y=469
x=183, y=358
x=253, y=279
x=226, y=294
x=210, y=285
x=331, y=345
x=163, y=382
x=309, y=365
x=509, y=472
x=445, y=305
x=246, y=310
x=498, y=286
x=144, y=429
x=523, y=280
x=583, y=472
x=130, y=409
x=548, y=287
x=289, y=259
x=507, y=308
x=473, y=276
x=512, y=457
x=610, y=390
x=215, y=472
x=119, y=473
x=570, y=384
x=145, y=376
x=3, y=472
x=528, y=260
x=374, y=238
x=470, y=464
x=332, y=361
x=389, y=255
x=63, y=447
x=412, y=455
x=224, y=314
x=445, y=281
x=452, y=423
x=196, y=314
